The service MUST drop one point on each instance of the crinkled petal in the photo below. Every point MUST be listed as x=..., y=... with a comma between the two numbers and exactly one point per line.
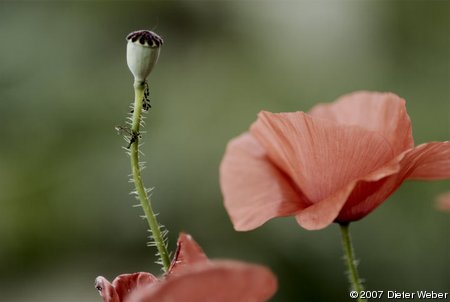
x=188, y=252
x=106, y=290
x=322, y=157
x=127, y=283
x=384, y=113
x=443, y=202
x=221, y=281
x=254, y=189
x=323, y=213
x=367, y=195
x=433, y=161
x=427, y=161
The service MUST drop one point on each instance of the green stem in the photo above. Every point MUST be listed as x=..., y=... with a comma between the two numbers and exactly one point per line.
x=141, y=192
x=353, y=275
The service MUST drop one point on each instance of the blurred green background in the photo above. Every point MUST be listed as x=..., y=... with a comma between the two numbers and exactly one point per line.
x=65, y=211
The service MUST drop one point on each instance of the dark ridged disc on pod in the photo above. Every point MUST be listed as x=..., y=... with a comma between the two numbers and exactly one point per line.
x=145, y=38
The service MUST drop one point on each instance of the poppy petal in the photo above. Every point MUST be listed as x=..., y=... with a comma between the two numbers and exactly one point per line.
x=427, y=161
x=254, y=189
x=126, y=283
x=222, y=281
x=431, y=161
x=106, y=290
x=188, y=252
x=443, y=202
x=323, y=213
x=384, y=113
x=368, y=194
x=321, y=156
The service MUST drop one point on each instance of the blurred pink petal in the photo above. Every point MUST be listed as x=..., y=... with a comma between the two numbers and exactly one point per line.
x=443, y=202
x=106, y=290
x=193, y=278
x=122, y=286
x=338, y=163
x=220, y=281
x=188, y=253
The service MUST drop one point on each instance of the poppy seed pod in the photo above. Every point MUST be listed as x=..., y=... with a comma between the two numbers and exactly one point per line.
x=142, y=53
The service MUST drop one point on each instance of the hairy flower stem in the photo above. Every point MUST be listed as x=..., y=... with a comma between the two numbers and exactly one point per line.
x=141, y=192
x=353, y=275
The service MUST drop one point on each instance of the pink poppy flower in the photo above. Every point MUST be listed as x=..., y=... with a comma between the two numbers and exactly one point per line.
x=443, y=202
x=336, y=163
x=193, y=278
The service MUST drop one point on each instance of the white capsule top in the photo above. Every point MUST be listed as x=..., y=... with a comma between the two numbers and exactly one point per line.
x=142, y=53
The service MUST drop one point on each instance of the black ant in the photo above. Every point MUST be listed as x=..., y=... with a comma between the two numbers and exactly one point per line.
x=146, y=100
x=133, y=135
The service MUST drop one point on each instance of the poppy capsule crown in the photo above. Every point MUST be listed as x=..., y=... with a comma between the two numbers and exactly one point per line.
x=142, y=53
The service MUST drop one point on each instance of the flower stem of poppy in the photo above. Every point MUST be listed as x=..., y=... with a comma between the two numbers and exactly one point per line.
x=142, y=194
x=355, y=280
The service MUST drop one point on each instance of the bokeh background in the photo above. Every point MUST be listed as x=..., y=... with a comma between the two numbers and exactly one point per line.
x=65, y=211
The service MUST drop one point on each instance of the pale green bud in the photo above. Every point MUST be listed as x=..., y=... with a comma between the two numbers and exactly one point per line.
x=142, y=53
